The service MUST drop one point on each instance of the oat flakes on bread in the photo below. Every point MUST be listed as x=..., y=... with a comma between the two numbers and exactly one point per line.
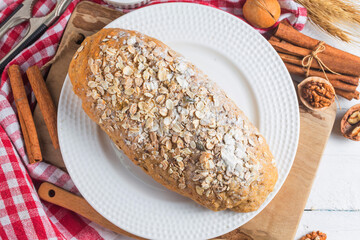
x=172, y=121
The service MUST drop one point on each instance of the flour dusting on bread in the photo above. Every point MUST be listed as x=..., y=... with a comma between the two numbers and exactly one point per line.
x=172, y=121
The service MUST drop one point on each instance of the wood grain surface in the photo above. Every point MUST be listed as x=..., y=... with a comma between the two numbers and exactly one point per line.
x=60, y=197
x=279, y=220
x=334, y=202
x=86, y=20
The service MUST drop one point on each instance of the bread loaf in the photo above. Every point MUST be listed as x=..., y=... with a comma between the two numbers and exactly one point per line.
x=172, y=121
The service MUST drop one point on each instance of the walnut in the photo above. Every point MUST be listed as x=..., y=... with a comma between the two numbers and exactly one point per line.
x=350, y=123
x=316, y=93
x=354, y=117
x=314, y=236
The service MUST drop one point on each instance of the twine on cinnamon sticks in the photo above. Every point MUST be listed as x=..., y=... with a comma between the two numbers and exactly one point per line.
x=307, y=60
x=298, y=52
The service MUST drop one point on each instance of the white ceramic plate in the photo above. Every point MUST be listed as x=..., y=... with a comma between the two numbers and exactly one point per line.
x=242, y=62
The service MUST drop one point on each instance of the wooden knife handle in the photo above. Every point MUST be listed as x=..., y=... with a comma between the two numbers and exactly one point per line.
x=79, y=205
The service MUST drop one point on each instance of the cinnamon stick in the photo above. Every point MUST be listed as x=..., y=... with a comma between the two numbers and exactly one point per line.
x=286, y=32
x=26, y=139
x=23, y=108
x=336, y=83
x=46, y=104
x=275, y=39
x=348, y=95
x=335, y=64
x=298, y=62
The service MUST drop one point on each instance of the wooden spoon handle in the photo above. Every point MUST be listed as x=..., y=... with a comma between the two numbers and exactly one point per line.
x=79, y=205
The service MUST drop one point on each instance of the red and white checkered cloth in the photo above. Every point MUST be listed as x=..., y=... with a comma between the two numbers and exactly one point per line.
x=22, y=214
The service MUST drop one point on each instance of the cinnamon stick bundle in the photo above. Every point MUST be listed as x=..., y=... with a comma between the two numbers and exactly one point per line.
x=286, y=32
x=25, y=115
x=341, y=68
x=287, y=58
x=336, y=83
x=338, y=65
x=296, y=60
x=46, y=104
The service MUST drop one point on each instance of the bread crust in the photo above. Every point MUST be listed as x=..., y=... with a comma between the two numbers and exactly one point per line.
x=172, y=121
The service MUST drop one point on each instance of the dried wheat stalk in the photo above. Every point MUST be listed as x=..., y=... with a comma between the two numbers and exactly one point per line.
x=328, y=14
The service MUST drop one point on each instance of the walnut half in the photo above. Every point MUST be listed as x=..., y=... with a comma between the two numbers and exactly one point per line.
x=316, y=93
x=350, y=123
x=314, y=236
x=354, y=117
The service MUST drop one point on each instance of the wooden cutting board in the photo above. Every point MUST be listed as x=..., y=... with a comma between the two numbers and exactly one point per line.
x=279, y=220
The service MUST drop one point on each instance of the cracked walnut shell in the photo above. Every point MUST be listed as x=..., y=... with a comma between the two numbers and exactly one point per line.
x=350, y=123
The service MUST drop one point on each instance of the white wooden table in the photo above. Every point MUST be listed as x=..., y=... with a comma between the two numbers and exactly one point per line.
x=334, y=203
